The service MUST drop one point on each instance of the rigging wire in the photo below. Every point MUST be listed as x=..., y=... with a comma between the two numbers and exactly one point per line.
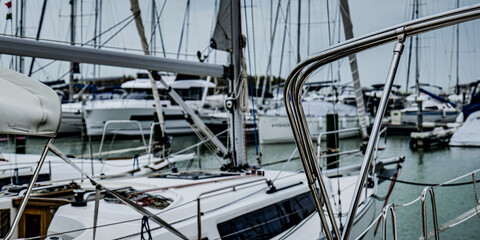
x=187, y=10
x=253, y=39
x=428, y=184
x=81, y=43
x=111, y=37
x=157, y=24
x=283, y=48
x=250, y=77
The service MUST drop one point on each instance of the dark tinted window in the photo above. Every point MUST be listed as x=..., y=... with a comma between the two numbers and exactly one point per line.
x=193, y=93
x=269, y=221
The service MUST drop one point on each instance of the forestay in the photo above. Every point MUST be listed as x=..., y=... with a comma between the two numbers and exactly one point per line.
x=28, y=107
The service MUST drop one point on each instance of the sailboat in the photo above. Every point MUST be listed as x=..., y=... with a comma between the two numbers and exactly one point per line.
x=139, y=106
x=274, y=126
x=244, y=202
x=424, y=106
x=255, y=189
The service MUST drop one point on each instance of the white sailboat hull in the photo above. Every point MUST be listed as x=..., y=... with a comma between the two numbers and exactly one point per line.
x=411, y=116
x=23, y=165
x=71, y=118
x=468, y=135
x=277, y=129
x=249, y=211
x=97, y=114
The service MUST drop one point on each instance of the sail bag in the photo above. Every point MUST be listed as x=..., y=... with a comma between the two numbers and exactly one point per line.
x=28, y=107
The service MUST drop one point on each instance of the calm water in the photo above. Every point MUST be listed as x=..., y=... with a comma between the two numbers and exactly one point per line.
x=432, y=166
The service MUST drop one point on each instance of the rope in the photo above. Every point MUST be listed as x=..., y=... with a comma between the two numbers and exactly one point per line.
x=199, y=143
x=369, y=227
x=243, y=88
x=390, y=189
x=146, y=227
x=429, y=184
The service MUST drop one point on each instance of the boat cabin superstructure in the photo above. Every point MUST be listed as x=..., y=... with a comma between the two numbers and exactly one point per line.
x=139, y=105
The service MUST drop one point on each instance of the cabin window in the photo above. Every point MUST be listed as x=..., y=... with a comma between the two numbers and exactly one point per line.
x=147, y=94
x=431, y=108
x=269, y=221
x=193, y=93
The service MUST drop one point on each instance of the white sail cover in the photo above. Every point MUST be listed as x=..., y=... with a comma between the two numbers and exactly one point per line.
x=468, y=135
x=28, y=107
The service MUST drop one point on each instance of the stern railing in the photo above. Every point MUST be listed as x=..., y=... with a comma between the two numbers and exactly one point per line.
x=293, y=102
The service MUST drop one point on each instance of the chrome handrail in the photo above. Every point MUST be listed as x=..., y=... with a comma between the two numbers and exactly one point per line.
x=319, y=144
x=199, y=197
x=319, y=139
x=297, y=78
x=24, y=202
x=105, y=127
x=434, y=213
x=390, y=207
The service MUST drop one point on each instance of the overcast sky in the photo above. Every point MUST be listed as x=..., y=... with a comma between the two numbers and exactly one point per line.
x=436, y=48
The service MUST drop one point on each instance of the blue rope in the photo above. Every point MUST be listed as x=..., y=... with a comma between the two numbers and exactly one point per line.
x=146, y=226
x=251, y=81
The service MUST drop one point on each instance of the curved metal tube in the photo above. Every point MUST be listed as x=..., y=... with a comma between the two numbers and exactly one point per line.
x=390, y=207
x=24, y=202
x=105, y=127
x=297, y=78
x=434, y=213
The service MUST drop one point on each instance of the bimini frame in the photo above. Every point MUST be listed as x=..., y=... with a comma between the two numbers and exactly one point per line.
x=293, y=103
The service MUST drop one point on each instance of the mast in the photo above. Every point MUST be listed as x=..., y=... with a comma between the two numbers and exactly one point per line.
x=138, y=22
x=152, y=28
x=348, y=28
x=95, y=35
x=100, y=7
x=236, y=115
x=298, y=30
x=268, y=78
x=185, y=19
x=308, y=31
x=417, y=78
x=204, y=133
x=417, y=65
x=457, y=87
x=44, y=7
x=72, y=42
x=410, y=53
x=22, y=31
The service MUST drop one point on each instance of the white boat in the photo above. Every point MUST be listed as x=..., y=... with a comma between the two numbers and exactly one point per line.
x=240, y=203
x=432, y=111
x=72, y=119
x=232, y=206
x=274, y=126
x=228, y=204
x=468, y=135
x=139, y=106
x=17, y=169
x=72, y=112
x=247, y=202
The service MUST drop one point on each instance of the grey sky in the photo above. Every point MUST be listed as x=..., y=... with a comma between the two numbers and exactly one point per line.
x=367, y=15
